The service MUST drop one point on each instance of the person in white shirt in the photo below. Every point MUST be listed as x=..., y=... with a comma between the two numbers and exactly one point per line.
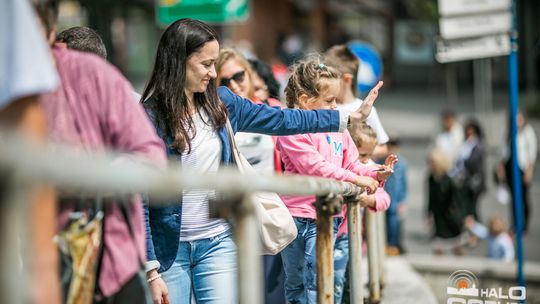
x=451, y=138
x=26, y=71
x=341, y=58
x=527, y=150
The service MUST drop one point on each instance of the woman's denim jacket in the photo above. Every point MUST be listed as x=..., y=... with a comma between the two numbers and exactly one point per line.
x=163, y=223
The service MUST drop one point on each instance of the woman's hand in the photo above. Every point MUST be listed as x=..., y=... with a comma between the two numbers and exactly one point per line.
x=160, y=293
x=369, y=183
x=360, y=115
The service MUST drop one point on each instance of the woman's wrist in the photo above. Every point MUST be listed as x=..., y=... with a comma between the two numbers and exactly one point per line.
x=344, y=120
x=151, y=273
x=153, y=277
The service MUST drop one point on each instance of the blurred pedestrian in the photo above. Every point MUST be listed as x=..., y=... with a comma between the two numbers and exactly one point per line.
x=499, y=243
x=235, y=72
x=396, y=186
x=93, y=110
x=83, y=39
x=87, y=40
x=341, y=58
x=258, y=148
x=26, y=71
x=445, y=211
x=267, y=89
x=187, y=250
x=451, y=138
x=315, y=86
x=264, y=82
x=527, y=149
x=468, y=171
x=365, y=140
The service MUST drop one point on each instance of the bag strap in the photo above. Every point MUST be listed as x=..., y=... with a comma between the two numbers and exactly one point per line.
x=234, y=146
x=125, y=213
x=97, y=290
x=98, y=294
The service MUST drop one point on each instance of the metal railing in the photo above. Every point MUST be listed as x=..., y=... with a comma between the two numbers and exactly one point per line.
x=102, y=173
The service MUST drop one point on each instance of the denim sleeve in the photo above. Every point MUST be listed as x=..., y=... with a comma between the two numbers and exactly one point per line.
x=152, y=262
x=246, y=116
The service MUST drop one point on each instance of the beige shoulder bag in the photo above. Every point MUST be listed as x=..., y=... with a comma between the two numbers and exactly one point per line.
x=277, y=226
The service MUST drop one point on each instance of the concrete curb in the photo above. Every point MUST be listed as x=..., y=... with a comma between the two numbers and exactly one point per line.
x=477, y=265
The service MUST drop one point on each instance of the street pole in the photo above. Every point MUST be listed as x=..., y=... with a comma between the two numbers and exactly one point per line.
x=516, y=177
x=451, y=86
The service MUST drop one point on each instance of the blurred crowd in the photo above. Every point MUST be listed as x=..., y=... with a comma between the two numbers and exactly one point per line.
x=458, y=178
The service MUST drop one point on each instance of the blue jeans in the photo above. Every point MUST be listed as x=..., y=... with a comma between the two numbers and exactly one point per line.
x=208, y=267
x=341, y=260
x=300, y=263
x=393, y=227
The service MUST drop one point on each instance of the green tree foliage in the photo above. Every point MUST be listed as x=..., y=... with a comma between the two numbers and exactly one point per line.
x=422, y=9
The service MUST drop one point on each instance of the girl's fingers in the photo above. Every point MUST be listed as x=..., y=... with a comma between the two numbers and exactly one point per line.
x=374, y=92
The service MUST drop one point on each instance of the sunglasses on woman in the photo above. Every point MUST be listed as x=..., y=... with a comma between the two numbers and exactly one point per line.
x=237, y=77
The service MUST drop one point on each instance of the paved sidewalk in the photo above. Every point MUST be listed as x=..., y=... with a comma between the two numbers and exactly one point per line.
x=404, y=285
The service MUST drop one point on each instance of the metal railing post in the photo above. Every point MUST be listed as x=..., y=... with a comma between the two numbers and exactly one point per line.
x=327, y=207
x=14, y=242
x=381, y=238
x=354, y=225
x=248, y=243
x=373, y=257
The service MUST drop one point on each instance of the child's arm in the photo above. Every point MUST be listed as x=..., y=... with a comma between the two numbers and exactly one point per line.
x=304, y=156
x=476, y=228
x=351, y=162
x=380, y=201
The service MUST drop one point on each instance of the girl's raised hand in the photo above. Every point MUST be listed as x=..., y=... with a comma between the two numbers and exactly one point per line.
x=363, y=111
x=391, y=161
x=388, y=168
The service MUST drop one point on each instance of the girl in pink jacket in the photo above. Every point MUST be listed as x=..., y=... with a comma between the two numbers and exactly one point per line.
x=313, y=85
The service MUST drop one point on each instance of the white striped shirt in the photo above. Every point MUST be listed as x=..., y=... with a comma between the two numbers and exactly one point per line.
x=205, y=157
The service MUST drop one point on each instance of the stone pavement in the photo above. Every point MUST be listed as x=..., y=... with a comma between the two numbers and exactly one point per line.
x=403, y=285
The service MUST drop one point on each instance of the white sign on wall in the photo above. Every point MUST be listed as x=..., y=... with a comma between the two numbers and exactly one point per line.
x=463, y=7
x=472, y=48
x=475, y=25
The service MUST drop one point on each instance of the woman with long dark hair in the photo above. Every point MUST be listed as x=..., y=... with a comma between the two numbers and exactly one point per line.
x=186, y=250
